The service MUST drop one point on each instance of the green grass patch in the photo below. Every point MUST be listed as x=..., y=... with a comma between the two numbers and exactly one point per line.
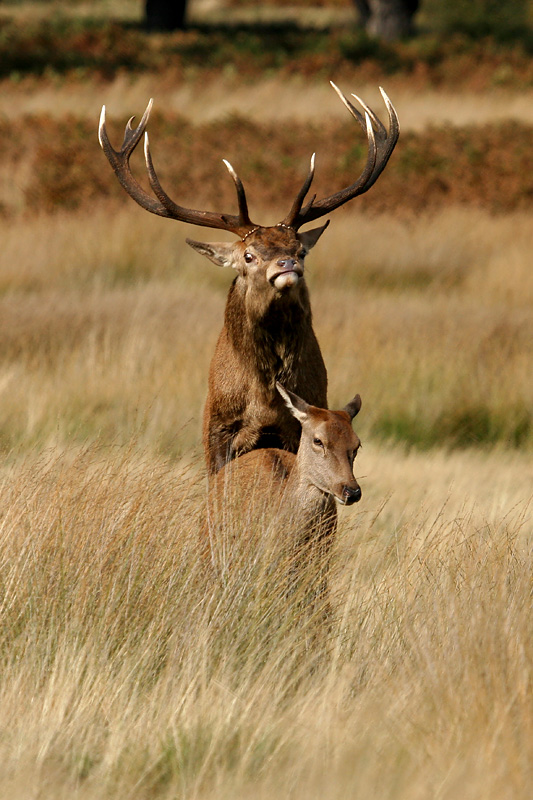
x=473, y=426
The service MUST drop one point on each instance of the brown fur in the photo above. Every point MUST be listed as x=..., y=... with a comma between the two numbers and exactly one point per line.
x=296, y=494
x=267, y=334
x=267, y=337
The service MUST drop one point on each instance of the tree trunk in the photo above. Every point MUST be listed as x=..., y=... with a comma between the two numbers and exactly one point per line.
x=165, y=15
x=387, y=19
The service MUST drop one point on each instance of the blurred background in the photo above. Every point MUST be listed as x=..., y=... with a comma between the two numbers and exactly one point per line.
x=421, y=288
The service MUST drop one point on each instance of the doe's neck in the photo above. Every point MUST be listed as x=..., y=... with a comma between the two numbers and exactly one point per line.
x=304, y=489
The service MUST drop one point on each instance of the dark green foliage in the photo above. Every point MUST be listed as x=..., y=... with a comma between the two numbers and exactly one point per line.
x=59, y=45
x=478, y=18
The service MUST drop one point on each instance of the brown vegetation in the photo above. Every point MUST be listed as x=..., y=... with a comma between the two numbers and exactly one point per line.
x=485, y=166
x=126, y=670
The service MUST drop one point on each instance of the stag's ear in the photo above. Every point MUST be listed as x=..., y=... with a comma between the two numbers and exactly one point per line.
x=353, y=407
x=295, y=404
x=220, y=253
x=310, y=238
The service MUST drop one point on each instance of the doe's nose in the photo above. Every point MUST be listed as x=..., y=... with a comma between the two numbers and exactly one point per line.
x=351, y=495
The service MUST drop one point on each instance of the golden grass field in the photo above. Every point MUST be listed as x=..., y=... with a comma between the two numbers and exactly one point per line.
x=129, y=669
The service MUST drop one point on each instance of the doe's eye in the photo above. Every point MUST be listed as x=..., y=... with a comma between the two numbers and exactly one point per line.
x=248, y=257
x=318, y=442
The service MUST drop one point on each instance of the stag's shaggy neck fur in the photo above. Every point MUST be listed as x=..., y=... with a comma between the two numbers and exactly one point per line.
x=267, y=337
x=269, y=334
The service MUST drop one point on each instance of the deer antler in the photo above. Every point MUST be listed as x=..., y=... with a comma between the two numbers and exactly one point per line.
x=380, y=146
x=163, y=205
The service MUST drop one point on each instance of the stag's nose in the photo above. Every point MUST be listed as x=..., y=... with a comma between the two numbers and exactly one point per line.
x=351, y=495
x=286, y=263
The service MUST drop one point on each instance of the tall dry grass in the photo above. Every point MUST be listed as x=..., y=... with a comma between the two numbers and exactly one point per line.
x=127, y=671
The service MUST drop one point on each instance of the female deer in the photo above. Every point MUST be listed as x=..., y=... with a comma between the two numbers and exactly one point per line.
x=289, y=493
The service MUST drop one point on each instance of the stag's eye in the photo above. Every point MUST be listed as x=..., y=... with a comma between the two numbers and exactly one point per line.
x=318, y=442
x=248, y=257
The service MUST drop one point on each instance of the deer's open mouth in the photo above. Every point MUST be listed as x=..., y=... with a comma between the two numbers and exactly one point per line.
x=286, y=278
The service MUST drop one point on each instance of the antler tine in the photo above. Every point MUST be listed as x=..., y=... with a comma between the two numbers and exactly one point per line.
x=241, y=194
x=163, y=206
x=353, y=111
x=132, y=136
x=158, y=190
x=394, y=122
x=381, y=143
x=119, y=160
x=376, y=122
x=308, y=205
x=386, y=140
x=300, y=197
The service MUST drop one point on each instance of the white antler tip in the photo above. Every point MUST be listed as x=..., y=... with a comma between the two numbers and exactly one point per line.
x=385, y=96
x=334, y=86
x=145, y=117
x=101, y=126
x=229, y=168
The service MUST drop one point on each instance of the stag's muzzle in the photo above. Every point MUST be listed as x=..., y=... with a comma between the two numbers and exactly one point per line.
x=287, y=273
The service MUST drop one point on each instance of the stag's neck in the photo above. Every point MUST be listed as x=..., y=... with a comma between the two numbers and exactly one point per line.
x=266, y=308
x=270, y=333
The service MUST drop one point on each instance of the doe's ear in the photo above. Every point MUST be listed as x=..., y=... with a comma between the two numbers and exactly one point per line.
x=298, y=407
x=310, y=238
x=220, y=253
x=353, y=407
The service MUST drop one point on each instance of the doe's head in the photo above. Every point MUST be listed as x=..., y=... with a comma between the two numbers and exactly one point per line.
x=328, y=446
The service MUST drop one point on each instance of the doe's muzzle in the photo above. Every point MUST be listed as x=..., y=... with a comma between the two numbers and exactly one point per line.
x=351, y=495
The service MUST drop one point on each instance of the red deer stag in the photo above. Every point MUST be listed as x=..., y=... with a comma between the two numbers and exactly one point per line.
x=292, y=492
x=267, y=333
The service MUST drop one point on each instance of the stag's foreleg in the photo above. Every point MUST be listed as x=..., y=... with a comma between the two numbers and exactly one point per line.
x=219, y=443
